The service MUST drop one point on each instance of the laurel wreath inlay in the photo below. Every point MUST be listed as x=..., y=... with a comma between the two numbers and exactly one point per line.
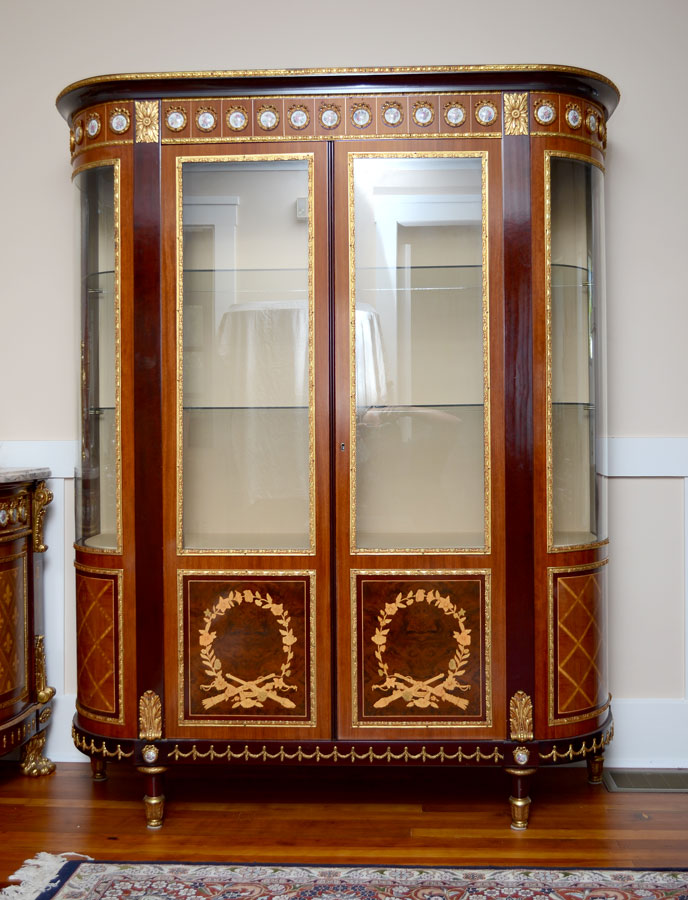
x=246, y=694
x=416, y=693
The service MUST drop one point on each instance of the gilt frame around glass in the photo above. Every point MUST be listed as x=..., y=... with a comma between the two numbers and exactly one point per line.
x=115, y=163
x=227, y=551
x=483, y=156
x=549, y=441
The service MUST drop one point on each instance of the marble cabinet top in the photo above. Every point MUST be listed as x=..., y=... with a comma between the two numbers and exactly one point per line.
x=8, y=475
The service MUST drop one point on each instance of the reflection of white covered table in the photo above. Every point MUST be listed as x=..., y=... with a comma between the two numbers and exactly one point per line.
x=264, y=346
x=371, y=389
x=265, y=349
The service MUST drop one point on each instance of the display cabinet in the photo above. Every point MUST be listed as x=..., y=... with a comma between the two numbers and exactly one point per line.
x=25, y=697
x=343, y=397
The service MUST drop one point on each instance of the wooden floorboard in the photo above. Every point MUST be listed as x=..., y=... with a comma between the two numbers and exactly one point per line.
x=445, y=817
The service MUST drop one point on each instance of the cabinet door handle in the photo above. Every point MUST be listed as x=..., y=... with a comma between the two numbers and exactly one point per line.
x=342, y=446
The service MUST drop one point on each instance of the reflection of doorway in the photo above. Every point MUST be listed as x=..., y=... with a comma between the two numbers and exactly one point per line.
x=199, y=309
x=439, y=324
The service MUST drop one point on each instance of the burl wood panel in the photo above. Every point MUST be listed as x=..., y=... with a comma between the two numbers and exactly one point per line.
x=247, y=648
x=580, y=663
x=14, y=635
x=97, y=643
x=421, y=649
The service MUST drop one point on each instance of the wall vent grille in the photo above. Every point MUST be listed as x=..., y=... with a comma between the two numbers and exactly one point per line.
x=647, y=780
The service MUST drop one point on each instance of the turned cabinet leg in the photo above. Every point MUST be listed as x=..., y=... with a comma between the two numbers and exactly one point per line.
x=595, y=764
x=98, y=768
x=519, y=799
x=32, y=760
x=154, y=799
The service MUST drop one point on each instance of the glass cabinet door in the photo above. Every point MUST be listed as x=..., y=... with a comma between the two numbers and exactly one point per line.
x=245, y=325
x=98, y=477
x=576, y=383
x=418, y=239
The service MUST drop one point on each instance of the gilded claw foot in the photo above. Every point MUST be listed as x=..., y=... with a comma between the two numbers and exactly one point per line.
x=32, y=760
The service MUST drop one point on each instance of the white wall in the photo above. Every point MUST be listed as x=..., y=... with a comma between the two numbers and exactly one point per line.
x=639, y=45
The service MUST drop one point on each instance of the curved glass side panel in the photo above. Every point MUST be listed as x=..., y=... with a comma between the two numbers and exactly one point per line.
x=98, y=476
x=245, y=347
x=419, y=375
x=577, y=407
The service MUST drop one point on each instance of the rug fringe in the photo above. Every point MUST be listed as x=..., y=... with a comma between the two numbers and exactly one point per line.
x=37, y=875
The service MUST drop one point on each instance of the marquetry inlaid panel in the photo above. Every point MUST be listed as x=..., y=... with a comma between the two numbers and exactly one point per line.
x=422, y=649
x=247, y=648
x=579, y=677
x=98, y=642
x=13, y=638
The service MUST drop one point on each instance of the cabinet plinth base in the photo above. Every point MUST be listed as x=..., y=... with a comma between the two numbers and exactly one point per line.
x=491, y=754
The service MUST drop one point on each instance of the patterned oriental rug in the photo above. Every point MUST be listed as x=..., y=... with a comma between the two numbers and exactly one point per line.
x=48, y=877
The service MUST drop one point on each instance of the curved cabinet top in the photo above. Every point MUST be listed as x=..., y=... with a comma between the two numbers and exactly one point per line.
x=536, y=77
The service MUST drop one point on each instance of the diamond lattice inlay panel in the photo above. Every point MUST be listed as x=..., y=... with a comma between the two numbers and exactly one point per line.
x=13, y=640
x=97, y=643
x=581, y=676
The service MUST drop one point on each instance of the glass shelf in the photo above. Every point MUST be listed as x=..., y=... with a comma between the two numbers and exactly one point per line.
x=566, y=275
x=217, y=408
x=412, y=540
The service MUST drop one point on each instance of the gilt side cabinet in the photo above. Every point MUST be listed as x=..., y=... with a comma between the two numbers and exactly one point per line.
x=340, y=499
x=25, y=696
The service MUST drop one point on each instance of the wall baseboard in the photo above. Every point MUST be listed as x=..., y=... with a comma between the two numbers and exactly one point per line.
x=649, y=734
x=60, y=747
